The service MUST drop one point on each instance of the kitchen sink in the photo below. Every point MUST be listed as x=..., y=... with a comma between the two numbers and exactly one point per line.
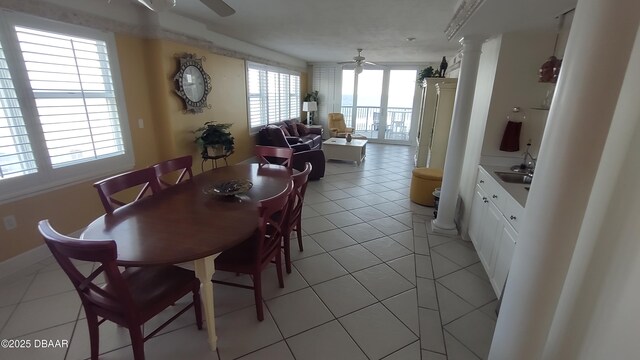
x=516, y=178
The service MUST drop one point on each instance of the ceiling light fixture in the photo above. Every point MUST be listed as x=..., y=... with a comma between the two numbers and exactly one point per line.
x=158, y=5
x=550, y=69
x=410, y=39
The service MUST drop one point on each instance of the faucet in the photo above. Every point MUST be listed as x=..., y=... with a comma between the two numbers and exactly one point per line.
x=528, y=162
x=531, y=165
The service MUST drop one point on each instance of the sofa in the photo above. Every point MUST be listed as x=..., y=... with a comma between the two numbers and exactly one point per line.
x=295, y=134
x=307, y=147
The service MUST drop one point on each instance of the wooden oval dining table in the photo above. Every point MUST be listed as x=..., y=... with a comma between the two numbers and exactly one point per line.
x=182, y=223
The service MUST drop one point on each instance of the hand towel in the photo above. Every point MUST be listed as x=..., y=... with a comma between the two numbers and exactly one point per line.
x=511, y=138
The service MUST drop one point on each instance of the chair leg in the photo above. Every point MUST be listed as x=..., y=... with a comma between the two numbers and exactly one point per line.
x=299, y=232
x=279, y=269
x=137, y=342
x=197, y=306
x=287, y=251
x=94, y=334
x=257, y=293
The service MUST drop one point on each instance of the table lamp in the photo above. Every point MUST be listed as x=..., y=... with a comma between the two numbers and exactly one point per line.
x=309, y=106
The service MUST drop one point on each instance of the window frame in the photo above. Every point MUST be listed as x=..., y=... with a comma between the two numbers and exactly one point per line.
x=48, y=178
x=264, y=105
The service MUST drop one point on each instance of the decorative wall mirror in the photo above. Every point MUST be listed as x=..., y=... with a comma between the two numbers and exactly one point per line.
x=193, y=84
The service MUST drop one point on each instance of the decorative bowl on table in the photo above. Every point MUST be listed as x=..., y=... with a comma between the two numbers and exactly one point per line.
x=229, y=188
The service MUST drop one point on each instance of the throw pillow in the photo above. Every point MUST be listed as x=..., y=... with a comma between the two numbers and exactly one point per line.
x=302, y=130
x=291, y=125
x=285, y=130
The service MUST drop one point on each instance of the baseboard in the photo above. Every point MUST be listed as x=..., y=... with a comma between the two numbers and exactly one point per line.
x=28, y=258
x=250, y=160
x=24, y=260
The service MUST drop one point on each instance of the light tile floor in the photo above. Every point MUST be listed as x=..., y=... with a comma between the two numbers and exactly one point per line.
x=373, y=282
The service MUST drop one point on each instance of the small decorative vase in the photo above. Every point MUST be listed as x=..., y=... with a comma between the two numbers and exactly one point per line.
x=349, y=137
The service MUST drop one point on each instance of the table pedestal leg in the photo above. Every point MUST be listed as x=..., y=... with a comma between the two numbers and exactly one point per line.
x=204, y=271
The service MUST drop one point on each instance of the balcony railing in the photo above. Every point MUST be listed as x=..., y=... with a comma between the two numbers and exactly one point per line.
x=367, y=121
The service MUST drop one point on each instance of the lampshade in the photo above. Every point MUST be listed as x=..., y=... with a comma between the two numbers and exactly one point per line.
x=309, y=106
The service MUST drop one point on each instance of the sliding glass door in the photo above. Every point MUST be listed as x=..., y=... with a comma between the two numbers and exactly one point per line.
x=381, y=104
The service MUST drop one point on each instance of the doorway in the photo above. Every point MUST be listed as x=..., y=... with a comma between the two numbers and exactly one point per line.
x=381, y=104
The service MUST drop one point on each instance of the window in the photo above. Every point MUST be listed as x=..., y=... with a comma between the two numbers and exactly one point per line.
x=273, y=94
x=62, y=117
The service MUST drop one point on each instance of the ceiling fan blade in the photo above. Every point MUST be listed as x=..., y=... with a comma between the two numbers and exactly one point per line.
x=347, y=62
x=219, y=7
x=370, y=63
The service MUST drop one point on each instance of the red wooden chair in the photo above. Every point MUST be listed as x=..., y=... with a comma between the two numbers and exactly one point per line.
x=182, y=164
x=294, y=216
x=129, y=298
x=255, y=253
x=115, y=184
x=274, y=155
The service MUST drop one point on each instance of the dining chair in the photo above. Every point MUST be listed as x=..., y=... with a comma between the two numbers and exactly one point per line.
x=294, y=215
x=274, y=155
x=128, y=299
x=254, y=254
x=115, y=184
x=182, y=164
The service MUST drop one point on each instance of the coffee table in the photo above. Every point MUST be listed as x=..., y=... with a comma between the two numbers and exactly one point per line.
x=340, y=149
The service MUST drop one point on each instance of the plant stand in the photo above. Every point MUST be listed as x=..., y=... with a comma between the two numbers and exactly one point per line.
x=214, y=160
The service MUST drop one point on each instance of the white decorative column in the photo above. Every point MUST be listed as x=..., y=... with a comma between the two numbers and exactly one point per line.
x=471, y=50
x=603, y=31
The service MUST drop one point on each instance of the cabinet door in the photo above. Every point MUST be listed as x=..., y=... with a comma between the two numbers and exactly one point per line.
x=493, y=222
x=478, y=206
x=504, y=255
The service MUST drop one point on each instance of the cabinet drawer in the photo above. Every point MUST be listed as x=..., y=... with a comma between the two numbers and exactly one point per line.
x=484, y=180
x=513, y=213
x=495, y=192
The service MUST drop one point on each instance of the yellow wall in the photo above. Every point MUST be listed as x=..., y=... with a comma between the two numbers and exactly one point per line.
x=228, y=100
x=147, y=68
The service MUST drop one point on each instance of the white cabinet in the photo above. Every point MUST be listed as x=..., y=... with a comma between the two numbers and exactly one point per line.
x=493, y=225
x=436, y=109
x=478, y=207
x=504, y=253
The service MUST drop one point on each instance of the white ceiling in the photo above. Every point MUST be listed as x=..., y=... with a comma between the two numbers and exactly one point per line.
x=331, y=30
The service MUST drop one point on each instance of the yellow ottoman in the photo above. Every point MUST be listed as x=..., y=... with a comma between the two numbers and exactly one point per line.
x=423, y=182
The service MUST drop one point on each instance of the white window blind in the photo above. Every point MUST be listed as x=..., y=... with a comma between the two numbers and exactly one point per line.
x=16, y=156
x=273, y=94
x=62, y=118
x=71, y=82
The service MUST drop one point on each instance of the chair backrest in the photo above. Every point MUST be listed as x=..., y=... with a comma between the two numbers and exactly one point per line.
x=113, y=185
x=271, y=224
x=336, y=121
x=274, y=155
x=300, y=181
x=182, y=164
x=115, y=296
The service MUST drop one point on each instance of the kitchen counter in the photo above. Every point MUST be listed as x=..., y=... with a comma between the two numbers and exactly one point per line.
x=516, y=191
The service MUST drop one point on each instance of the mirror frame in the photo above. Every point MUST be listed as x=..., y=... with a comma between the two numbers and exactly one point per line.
x=187, y=60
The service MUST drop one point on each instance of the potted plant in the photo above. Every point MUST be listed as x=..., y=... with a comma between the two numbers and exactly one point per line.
x=426, y=73
x=214, y=140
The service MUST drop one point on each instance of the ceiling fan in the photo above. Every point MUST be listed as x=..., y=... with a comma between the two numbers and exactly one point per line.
x=359, y=61
x=218, y=6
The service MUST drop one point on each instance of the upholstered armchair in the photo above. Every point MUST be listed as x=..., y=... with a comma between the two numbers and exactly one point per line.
x=337, y=126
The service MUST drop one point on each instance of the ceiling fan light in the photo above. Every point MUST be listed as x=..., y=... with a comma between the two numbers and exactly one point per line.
x=358, y=69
